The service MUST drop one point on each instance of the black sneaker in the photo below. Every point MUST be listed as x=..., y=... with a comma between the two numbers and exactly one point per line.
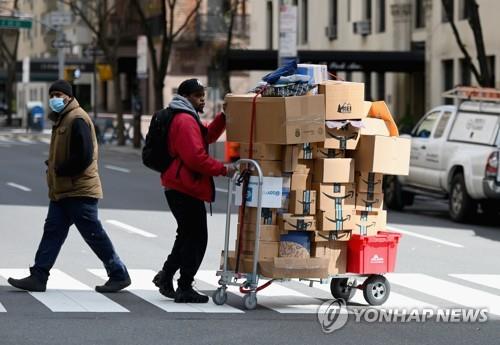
x=189, y=296
x=113, y=285
x=30, y=283
x=162, y=281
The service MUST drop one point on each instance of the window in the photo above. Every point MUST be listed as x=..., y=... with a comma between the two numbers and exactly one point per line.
x=349, y=10
x=368, y=9
x=380, y=85
x=304, y=22
x=465, y=72
x=270, y=24
x=441, y=126
x=333, y=22
x=444, y=17
x=381, y=16
x=424, y=129
x=447, y=78
x=368, y=86
x=463, y=9
x=419, y=14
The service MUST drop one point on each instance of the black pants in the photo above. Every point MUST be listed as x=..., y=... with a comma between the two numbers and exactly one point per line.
x=192, y=236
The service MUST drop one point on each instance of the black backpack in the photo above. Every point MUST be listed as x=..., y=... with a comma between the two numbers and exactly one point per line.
x=155, y=154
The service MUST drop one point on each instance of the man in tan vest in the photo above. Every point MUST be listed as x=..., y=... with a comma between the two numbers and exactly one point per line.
x=74, y=190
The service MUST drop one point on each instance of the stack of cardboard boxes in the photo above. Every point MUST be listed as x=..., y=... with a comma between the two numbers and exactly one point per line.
x=330, y=151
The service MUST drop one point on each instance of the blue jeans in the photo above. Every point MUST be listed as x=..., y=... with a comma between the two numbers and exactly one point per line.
x=83, y=213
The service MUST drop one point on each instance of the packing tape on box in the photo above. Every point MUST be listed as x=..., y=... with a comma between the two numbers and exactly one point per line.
x=307, y=150
x=301, y=225
x=368, y=204
x=342, y=139
x=371, y=185
x=306, y=204
x=330, y=153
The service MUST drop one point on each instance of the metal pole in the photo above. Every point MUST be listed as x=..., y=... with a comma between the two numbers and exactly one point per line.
x=94, y=88
x=60, y=53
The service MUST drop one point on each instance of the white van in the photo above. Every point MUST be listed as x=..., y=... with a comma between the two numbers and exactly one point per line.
x=455, y=154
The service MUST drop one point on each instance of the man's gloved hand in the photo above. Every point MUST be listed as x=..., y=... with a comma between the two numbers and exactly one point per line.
x=231, y=169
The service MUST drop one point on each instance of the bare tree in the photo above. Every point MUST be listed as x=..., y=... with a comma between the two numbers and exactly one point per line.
x=170, y=31
x=483, y=75
x=9, y=42
x=108, y=23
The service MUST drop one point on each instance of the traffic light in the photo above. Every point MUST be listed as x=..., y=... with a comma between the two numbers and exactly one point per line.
x=71, y=73
x=105, y=72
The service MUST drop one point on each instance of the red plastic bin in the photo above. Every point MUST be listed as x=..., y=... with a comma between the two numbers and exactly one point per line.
x=373, y=254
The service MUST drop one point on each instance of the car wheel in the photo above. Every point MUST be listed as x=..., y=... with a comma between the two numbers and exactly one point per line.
x=461, y=206
x=393, y=196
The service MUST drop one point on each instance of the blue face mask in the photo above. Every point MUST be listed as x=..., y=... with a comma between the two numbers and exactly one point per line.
x=56, y=104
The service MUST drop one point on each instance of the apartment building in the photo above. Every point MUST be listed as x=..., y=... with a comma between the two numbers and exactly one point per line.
x=355, y=37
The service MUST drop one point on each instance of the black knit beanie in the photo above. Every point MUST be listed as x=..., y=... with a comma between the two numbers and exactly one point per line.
x=62, y=86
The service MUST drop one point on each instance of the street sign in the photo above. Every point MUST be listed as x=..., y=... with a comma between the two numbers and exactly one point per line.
x=60, y=18
x=61, y=44
x=93, y=51
x=15, y=23
x=142, y=57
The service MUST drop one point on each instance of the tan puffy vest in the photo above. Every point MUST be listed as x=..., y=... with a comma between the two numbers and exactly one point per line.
x=86, y=184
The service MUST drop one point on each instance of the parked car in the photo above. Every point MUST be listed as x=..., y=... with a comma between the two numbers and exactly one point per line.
x=455, y=155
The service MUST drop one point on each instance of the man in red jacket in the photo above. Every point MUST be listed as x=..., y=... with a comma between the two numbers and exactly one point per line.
x=188, y=184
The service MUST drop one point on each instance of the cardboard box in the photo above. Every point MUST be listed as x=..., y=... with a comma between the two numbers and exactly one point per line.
x=326, y=236
x=319, y=151
x=335, y=221
x=272, y=189
x=302, y=202
x=332, y=196
x=269, y=168
x=288, y=222
x=385, y=155
x=300, y=181
x=267, y=232
x=345, y=138
x=246, y=262
x=344, y=100
x=334, y=170
x=268, y=216
x=373, y=126
x=267, y=249
x=294, y=268
x=260, y=151
x=369, y=202
x=278, y=120
x=371, y=183
x=292, y=162
x=306, y=150
x=365, y=223
x=295, y=244
x=335, y=252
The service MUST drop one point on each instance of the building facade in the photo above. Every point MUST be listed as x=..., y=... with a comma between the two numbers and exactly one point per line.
x=386, y=26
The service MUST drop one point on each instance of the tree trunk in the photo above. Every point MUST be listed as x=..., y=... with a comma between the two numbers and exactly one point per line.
x=475, y=25
x=159, y=84
x=117, y=91
x=9, y=91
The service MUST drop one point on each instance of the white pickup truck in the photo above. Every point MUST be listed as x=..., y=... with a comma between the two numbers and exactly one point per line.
x=455, y=154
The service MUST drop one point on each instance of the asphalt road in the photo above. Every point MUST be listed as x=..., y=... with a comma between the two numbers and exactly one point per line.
x=440, y=264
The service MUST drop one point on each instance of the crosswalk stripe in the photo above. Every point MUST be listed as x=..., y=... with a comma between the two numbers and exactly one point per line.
x=395, y=300
x=143, y=287
x=25, y=140
x=276, y=296
x=489, y=280
x=448, y=291
x=2, y=308
x=66, y=294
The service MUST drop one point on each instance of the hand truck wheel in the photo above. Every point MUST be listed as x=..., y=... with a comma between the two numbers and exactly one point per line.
x=219, y=296
x=250, y=301
x=340, y=289
x=376, y=289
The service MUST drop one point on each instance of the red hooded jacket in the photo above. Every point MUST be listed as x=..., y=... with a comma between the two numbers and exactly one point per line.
x=192, y=170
